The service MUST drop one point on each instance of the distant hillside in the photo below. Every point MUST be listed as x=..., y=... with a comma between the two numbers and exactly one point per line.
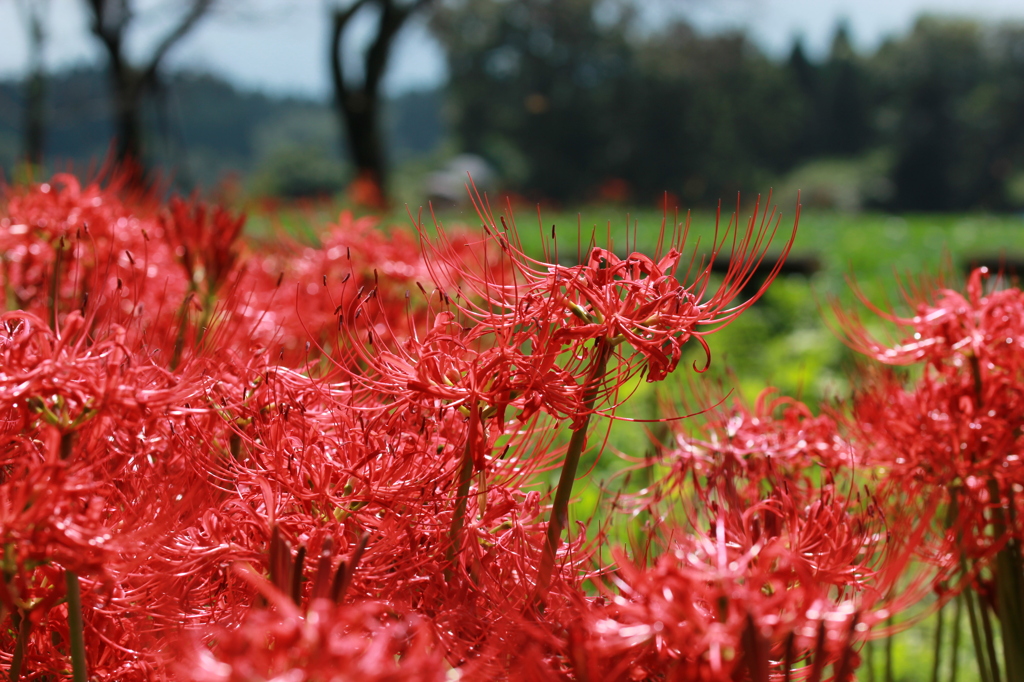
x=206, y=129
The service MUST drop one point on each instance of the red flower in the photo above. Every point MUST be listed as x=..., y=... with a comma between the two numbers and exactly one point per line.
x=956, y=426
x=362, y=642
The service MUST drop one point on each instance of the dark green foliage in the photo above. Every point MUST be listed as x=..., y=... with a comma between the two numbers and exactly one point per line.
x=527, y=79
x=954, y=94
x=575, y=103
x=203, y=129
x=414, y=123
x=566, y=97
x=565, y=101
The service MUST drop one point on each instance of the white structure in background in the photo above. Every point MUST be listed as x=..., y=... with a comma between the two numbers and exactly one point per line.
x=447, y=187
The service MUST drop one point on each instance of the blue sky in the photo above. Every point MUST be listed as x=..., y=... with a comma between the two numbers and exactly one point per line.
x=280, y=45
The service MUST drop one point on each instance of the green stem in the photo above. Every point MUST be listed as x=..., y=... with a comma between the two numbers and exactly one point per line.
x=979, y=647
x=559, y=518
x=1008, y=571
x=10, y=295
x=209, y=301
x=179, y=340
x=24, y=626
x=870, y=655
x=990, y=642
x=977, y=638
x=462, y=494
x=954, y=662
x=76, y=630
x=888, y=653
x=937, y=647
x=999, y=531
x=55, y=283
x=67, y=444
x=1009, y=585
x=1010, y=591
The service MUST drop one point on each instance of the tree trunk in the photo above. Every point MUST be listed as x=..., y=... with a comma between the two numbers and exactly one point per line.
x=34, y=123
x=359, y=105
x=110, y=23
x=361, y=128
x=35, y=117
x=127, y=98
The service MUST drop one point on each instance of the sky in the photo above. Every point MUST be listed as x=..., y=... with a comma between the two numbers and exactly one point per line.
x=280, y=46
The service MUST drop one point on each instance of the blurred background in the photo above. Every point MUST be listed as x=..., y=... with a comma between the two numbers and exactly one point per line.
x=893, y=105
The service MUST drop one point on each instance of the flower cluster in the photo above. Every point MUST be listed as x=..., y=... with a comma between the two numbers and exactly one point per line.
x=224, y=461
x=768, y=563
x=952, y=430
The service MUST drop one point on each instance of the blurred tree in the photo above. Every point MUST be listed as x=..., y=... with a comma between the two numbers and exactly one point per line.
x=1008, y=164
x=226, y=133
x=111, y=21
x=807, y=77
x=578, y=99
x=948, y=141
x=844, y=99
x=34, y=14
x=718, y=116
x=296, y=172
x=542, y=89
x=358, y=100
x=804, y=72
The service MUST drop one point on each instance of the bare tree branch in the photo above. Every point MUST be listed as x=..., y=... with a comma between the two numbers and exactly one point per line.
x=359, y=103
x=199, y=8
x=339, y=21
x=111, y=20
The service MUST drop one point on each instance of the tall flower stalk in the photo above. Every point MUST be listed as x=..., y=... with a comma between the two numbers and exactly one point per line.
x=559, y=517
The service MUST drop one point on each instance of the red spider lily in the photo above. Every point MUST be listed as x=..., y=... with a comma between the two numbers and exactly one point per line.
x=779, y=437
x=88, y=479
x=205, y=240
x=365, y=467
x=300, y=290
x=952, y=324
x=636, y=299
x=554, y=310
x=956, y=432
x=151, y=446
x=959, y=421
x=68, y=380
x=783, y=585
x=932, y=447
x=453, y=367
x=331, y=465
x=349, y=644
x=71, y=249
x=365, y=641
x=365, y=190
x=766, y=572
